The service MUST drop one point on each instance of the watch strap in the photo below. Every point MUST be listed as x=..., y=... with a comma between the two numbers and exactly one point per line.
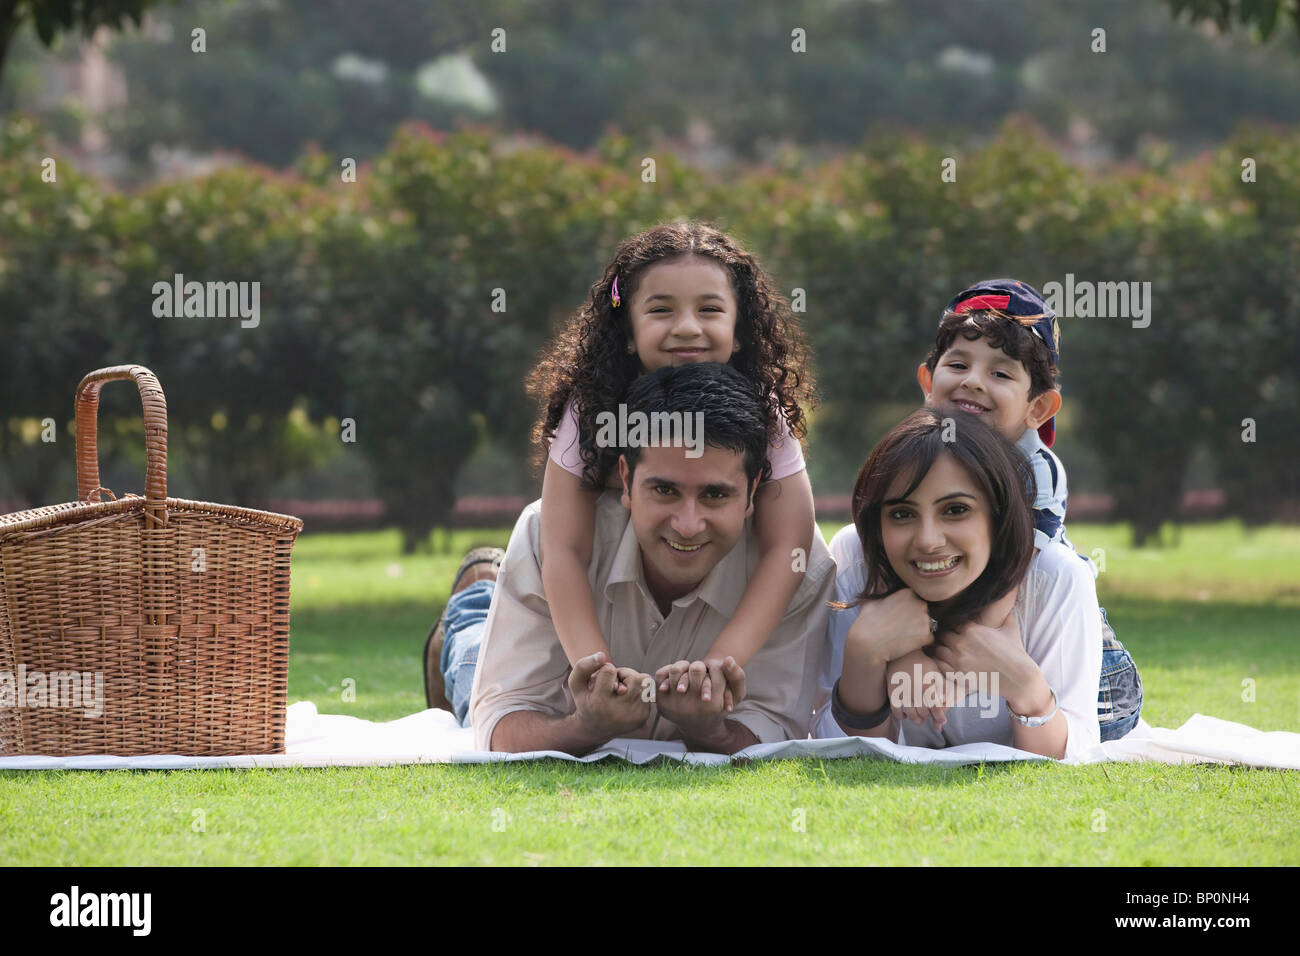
x=1037, y=721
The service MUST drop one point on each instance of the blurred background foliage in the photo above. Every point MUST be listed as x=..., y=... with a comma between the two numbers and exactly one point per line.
x=717, y=75
x=512, y=161
x=376, y=305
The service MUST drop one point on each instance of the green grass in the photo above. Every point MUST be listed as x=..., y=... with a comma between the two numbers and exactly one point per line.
x=1201, y=617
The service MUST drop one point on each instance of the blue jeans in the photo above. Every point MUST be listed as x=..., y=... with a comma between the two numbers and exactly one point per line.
x=1119, y=697
x=462, y=635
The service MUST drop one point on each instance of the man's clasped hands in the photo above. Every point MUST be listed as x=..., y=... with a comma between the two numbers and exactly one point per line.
x=697, y=696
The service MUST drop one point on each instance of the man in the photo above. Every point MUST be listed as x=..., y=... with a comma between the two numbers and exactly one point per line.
x=671, y=558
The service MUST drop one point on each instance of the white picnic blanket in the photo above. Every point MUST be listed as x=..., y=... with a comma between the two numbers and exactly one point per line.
x=313, y=739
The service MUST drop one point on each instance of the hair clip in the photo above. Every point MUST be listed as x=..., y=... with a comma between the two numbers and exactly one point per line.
x=613, y=295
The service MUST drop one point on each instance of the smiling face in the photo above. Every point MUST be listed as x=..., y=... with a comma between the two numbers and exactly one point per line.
x=982, y=379
x=937, y=538
x=687, y=513
x=683, y=310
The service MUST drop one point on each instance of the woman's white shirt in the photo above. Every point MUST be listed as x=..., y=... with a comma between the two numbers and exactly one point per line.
x=1060, y=628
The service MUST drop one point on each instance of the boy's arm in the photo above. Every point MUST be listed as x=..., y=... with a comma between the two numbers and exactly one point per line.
x=783, y=522
x=1050, y=495
x=568, y=526
x=1049, y=498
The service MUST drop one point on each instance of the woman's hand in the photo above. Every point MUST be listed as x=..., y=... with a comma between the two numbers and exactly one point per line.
x=889, y=628
x=884, y=631
x=918, y=688
x=997, y=650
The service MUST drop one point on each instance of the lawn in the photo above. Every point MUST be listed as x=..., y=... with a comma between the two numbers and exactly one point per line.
x=1211, y=620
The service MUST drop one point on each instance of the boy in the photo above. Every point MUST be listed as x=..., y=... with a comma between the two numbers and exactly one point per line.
x=996, y=355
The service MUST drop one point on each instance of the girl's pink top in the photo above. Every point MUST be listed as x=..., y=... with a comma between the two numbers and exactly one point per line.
x=785, y=455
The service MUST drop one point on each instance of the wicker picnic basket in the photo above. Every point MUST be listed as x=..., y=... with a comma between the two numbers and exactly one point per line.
x=181, y=607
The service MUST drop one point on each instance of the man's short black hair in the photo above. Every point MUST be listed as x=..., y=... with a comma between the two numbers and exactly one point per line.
x=735, y=415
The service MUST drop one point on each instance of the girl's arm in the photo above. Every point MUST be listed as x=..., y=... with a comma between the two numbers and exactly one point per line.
x=783, y=521
x=568, y=526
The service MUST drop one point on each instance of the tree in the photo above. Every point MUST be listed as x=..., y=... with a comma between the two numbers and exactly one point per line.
x=52, y=17
x=722, y=75
x=1262, y=16
x=275, y=78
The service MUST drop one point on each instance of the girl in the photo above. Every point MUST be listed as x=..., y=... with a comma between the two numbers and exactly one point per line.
x=678, y=293
x=941, y=556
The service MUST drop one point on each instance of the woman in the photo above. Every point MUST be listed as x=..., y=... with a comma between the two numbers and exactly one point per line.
x=950, y=628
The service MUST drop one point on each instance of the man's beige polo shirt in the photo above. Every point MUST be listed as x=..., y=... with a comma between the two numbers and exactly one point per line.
x=521, y=665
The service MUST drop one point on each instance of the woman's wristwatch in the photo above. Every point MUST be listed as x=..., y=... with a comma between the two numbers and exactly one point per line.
x=1037, y=721
x=848, y=718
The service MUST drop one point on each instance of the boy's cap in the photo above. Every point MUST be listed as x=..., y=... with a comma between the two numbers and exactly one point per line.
x=1022, y=302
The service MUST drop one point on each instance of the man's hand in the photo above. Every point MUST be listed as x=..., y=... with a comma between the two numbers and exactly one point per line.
x=620, y=682
x=700, y=717
x=608, y=699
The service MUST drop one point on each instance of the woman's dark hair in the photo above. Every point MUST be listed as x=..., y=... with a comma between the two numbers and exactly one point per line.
x=998, y=469
x=588, y=360
x=730, y=407
x=1003, y=332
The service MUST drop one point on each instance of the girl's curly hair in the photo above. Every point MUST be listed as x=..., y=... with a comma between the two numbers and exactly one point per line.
x=589, y=363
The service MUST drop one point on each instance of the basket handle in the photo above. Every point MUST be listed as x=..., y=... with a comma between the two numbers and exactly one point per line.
x=155, y=436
